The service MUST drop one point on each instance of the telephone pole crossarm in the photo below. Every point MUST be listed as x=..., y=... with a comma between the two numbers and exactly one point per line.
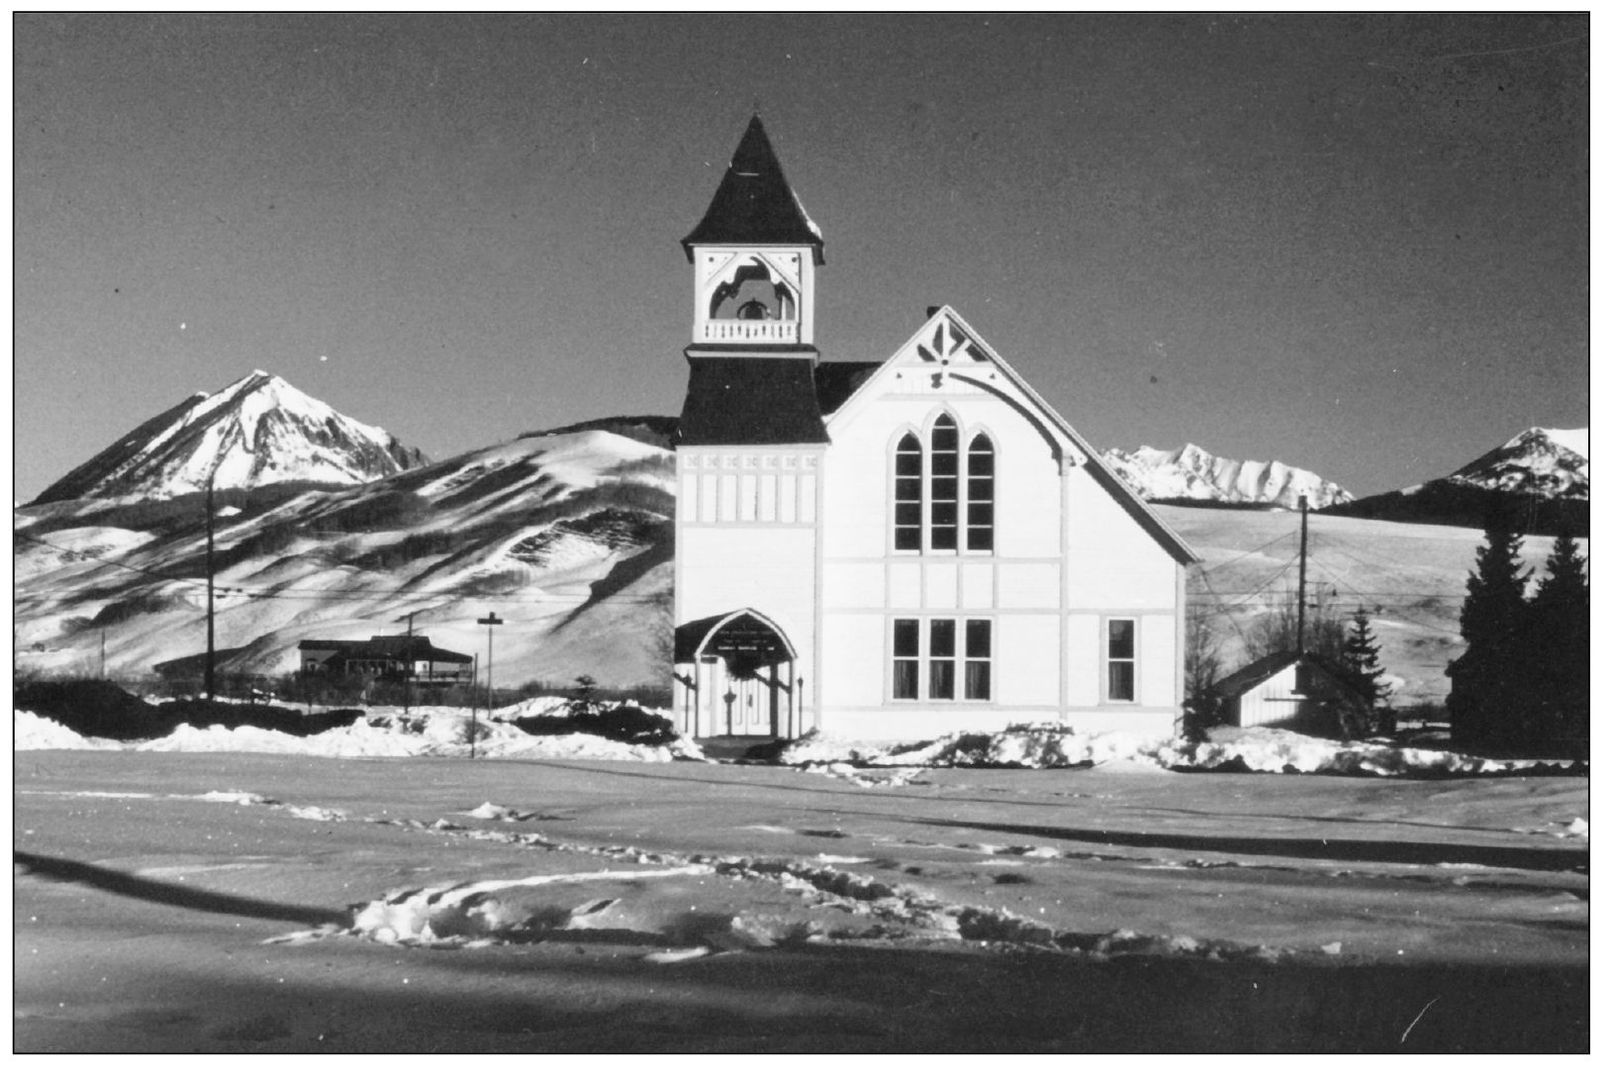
x=489, y=622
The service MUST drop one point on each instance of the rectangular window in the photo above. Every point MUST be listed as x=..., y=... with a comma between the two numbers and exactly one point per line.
x=951, y=661
x=942, y=659
x=1121, y=659
x=976, y=681
x=904, y=682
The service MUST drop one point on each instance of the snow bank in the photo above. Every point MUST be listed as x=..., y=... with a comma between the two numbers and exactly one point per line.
x=1032, y=746
x=30, y=731
x=386, y=732
x=1264, y=749
x=1259, y=749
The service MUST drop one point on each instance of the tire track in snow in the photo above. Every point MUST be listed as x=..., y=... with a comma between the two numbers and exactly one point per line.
x=898, y=912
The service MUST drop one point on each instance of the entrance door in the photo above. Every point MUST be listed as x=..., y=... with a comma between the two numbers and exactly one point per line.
x=742, y=704
x=754, y=707
x=739, y=682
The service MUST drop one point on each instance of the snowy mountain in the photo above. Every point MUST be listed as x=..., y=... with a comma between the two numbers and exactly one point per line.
x=1538, y=478
x=258, y=431
x=567, y=537
x=1191, y=473
x=1546, y=462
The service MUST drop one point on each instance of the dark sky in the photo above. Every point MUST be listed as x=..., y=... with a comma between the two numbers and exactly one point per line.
x=1358, y=244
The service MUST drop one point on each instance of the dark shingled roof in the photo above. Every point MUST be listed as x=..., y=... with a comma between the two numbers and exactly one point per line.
x=744, y=629
x=754, y=205
x=769, y=400
x=388, y=647
x=838, y=381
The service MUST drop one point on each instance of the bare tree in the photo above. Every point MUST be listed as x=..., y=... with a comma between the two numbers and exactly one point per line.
x=1276, y=631
x=1203, y=668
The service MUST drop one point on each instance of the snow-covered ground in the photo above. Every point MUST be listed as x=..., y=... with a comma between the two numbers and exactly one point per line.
x=425, y=731
x=253, y=901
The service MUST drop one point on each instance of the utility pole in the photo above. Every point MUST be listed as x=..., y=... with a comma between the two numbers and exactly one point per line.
x=1303, y=567
x=475, y=675
x=408, y=662
x=492, y=620
x=207, y=684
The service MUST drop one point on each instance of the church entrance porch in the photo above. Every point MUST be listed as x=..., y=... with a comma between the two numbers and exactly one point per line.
x=735, y=677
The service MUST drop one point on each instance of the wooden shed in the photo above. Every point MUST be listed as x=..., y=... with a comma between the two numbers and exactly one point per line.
x=1296, y=692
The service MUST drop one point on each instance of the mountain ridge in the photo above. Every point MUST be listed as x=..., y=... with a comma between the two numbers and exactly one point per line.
x=1191, y=473
x=258, y=430
x=1538, y=481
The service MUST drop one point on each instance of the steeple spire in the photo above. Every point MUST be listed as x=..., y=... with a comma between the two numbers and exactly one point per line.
x=754, y=205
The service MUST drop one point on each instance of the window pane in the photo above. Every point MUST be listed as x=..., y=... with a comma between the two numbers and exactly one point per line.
x=906, y=637
x=981, y=539
x=944, y=436
x=1121, y=639
x=908, y=539
x=942, y=679
x=909, y=456
x=981, y=514
x=904, y=685
x=943, y=539
x=978, y=637
x=945, y=514
x=908, y=514
x=942, y=637
x=981, y=457
x=1121, y=681
x=977, y=685
x=945, y=488
x=943, y=463
x=909, y=488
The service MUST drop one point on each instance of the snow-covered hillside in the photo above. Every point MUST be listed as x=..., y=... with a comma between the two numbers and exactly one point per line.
x=1545, y=462
x=566, y=537
x=258, y=431
x=1190, y=473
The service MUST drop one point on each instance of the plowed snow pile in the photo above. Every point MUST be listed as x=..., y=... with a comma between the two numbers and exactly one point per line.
x=386, y=732
x=30, y=731
x=435, y=731
x=1054, y=746
x=1264, y=749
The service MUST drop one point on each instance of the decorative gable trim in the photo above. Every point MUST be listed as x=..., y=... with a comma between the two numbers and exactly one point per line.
x=945, y=341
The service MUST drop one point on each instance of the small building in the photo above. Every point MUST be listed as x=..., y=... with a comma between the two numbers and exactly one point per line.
x=385, y=656
x=1295, y=692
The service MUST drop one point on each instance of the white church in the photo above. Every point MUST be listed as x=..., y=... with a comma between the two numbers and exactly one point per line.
x=888, y=550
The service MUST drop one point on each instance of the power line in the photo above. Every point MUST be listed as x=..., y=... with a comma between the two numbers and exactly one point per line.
x=1226, y=613
x=1274, y=540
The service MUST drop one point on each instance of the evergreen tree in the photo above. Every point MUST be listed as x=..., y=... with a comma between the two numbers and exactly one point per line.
x=1489, y=699
x=1361, y=656
x=1559, y=635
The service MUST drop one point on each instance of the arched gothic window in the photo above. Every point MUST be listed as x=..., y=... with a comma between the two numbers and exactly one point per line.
x=981, y=494
x=943, y=485
x=909, y=494
x=945, y=500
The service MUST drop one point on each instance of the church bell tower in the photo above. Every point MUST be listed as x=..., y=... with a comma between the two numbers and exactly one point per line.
x=751, y=361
